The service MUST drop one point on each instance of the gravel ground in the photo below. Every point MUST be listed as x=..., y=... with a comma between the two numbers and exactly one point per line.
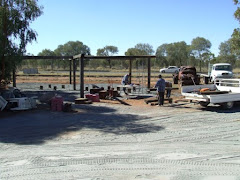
x=112, y=141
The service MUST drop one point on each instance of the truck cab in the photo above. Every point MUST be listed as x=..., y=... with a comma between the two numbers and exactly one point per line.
x=221, y=70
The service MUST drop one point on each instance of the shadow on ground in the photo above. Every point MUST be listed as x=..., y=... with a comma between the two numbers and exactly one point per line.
x=37, y=126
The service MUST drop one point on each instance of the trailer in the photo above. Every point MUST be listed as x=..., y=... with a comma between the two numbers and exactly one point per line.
x=224, y=92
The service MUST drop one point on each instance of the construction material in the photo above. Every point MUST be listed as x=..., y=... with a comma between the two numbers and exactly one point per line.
x=103, y=94
x=93, y=97
x=57, y=103
x=82, y=101
x=67, y=107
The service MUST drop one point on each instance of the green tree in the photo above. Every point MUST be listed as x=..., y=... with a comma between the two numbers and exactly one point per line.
x=161, y=55
x=225, y=53
x=107, y=51
x=15, y=32
x=173, y=54
x=140, y=49
x=199, y=47
x=70, y=48
x=47, y=62
x=145, y=49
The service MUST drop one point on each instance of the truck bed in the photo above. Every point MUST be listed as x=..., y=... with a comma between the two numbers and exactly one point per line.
x=224, y=90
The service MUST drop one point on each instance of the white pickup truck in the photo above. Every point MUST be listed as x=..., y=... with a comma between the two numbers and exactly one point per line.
x=221, y=70
x=223, y=92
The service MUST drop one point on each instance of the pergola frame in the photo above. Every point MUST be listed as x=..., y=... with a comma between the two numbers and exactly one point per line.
x=81, y=58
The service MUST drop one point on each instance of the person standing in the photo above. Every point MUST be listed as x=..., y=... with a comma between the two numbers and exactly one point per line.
x=168, y=89
x=125, y=82
x=160, y=85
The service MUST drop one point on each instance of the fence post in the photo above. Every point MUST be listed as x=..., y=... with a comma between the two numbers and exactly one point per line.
x=149, y=73
x=81, y=65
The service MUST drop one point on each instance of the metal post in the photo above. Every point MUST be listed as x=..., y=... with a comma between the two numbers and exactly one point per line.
x=74, y=74
x=81, y=65
x=149, y=73
x=70, y=71
x=130, y=71
x=14, y=76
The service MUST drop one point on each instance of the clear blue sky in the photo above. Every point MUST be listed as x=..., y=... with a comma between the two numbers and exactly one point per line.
x=124, y=23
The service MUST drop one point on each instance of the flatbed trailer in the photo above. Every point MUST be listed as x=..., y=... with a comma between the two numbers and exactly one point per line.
x=224, y=92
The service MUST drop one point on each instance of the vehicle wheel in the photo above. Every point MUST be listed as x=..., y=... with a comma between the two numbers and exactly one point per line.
x=204, y=104
x=227, y=105
x=176, y=72
x=163, y=71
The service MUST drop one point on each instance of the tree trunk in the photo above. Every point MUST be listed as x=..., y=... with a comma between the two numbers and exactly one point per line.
x=4, y=36
x=109, y=62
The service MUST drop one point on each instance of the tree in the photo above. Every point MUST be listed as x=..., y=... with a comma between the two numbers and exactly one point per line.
x=108, y=51
x=178, y=53
x=173, y=54
x=140, y=49
x=71, y=48
x=45, y=63
x=225, y=53
x=145, y=49
x=161, y=55
x=235, y=38
x=199, y=47
x=15, y=32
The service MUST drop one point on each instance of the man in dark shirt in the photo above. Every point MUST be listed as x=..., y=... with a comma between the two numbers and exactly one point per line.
x=160, y=85
x=125, y=82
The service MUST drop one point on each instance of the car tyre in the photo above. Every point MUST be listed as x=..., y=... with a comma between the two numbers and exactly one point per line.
x=227, y=105
x=204, y=104
x=163, y=71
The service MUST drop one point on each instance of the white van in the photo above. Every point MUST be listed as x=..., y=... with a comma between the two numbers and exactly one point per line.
x=221, y=70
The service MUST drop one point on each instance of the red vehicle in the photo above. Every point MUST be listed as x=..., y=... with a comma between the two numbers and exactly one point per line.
x=187, y=76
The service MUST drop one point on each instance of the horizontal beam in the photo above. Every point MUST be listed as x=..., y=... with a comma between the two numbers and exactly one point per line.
x=114, y=57
x=48, y=57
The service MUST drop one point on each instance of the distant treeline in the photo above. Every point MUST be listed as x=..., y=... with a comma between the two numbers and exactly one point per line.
x=196, y=54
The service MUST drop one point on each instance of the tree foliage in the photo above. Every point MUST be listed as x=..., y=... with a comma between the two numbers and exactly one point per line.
x=225, y=53
x=200, y=47
x=107, y=51
x=173, y=54
x=140, y=49
x=15, y=32
x=47, y=62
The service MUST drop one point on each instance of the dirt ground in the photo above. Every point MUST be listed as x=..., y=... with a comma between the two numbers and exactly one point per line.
x=65, y=80
x=108, y=140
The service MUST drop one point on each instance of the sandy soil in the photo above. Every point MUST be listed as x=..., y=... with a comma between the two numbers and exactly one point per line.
x=87, y=80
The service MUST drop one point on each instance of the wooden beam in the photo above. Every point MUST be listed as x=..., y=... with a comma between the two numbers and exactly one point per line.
x=70, y=72
x=14, y=76
x=114, y=57
x=81, y=65
x=74, y=74
x=149, y=73
x=48, y=57
x=130, y=71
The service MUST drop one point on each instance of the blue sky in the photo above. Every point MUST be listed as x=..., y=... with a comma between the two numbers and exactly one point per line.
x=125, y=23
